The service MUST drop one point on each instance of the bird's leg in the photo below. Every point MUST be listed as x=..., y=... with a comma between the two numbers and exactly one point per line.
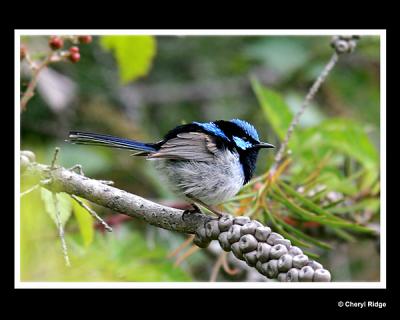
x=213, y=210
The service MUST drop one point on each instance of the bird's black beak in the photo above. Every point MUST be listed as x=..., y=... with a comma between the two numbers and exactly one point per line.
x=263, y=145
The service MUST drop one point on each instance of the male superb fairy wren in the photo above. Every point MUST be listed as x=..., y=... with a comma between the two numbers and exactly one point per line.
x=207, y=162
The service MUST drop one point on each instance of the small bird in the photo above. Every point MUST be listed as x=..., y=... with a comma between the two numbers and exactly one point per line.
x=206, y=162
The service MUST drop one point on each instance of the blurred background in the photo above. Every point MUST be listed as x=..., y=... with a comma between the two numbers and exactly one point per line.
x=179, y=79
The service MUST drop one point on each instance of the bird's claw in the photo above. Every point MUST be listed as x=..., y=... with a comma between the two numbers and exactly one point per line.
x=194, y=209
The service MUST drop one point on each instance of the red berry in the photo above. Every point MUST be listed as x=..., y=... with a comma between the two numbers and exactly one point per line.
x=74, y=50
x=56, y=42
x=85, y=39
x=74, y=57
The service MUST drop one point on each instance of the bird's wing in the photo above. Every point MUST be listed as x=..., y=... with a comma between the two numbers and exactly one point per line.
x=187, y=146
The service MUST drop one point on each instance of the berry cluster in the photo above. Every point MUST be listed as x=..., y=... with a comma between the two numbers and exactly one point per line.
x=269, y=252
x=73, y=54
x=57, y=43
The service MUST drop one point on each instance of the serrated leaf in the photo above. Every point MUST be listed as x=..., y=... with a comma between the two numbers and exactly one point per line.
x=275, y=109
x=134, y=54
x=64, y=205
x=85, y=222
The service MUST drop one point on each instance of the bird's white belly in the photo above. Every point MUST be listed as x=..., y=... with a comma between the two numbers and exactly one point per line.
x=210, y=182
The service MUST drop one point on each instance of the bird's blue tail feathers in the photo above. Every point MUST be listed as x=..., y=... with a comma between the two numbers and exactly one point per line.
x=88, y=138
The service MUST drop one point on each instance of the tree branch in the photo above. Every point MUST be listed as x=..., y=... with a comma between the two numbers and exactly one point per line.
x=271, y=254
x=64, y=180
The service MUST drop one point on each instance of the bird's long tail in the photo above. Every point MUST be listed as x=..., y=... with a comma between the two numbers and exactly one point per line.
x=89, y=138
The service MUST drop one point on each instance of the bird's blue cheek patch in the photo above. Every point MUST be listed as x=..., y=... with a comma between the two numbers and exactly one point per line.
x=241, y=143
x=212, y=128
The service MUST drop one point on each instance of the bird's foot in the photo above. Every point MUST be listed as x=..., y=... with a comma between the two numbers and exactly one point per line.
x=209, y=208
x=218, y=213
x=194, y=209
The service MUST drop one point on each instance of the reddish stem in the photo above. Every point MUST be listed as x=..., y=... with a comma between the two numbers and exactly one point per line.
x=30, y=91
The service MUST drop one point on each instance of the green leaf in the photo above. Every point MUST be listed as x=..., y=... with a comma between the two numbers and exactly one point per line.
x=309, y=216
x=344, y=235
x=64, y=205
x=340, y=184
x=85, y=222
x=372, y=204
x=275, y=109
x=134, y=54
x=276, y=223
x=305, y=237
x=344, y=135
x=306, y=202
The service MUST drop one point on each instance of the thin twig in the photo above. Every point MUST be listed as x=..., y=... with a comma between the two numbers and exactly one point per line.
x=61, y=230
x=31, y=63
x=187, y=254
x=58, y=216
x=227, y=268
x=29, y=190
x=55, y=157
x=29, y=93
x=92, y=212
x=217, y=267
x=182, y=246
x=310, y=95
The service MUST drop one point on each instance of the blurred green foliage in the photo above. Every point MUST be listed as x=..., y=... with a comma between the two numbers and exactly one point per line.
x=121, y=256
x=319, y=153
x=134, y=54
x=84, y=221
x=260, y=79
x=62, y=205
x=274, y=109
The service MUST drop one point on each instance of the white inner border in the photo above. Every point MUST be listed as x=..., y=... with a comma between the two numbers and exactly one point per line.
x=380, y=284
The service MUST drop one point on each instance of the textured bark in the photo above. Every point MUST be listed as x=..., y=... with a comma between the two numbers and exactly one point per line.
x=63, y=180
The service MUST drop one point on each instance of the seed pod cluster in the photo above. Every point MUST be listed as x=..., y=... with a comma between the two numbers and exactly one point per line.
x=269, y=252
x=344, y=44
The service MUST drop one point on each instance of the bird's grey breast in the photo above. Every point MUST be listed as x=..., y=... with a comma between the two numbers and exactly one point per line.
x=212, y=181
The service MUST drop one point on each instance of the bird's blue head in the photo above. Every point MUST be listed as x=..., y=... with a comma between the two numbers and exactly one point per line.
x=239, y=135
x=250, y=136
